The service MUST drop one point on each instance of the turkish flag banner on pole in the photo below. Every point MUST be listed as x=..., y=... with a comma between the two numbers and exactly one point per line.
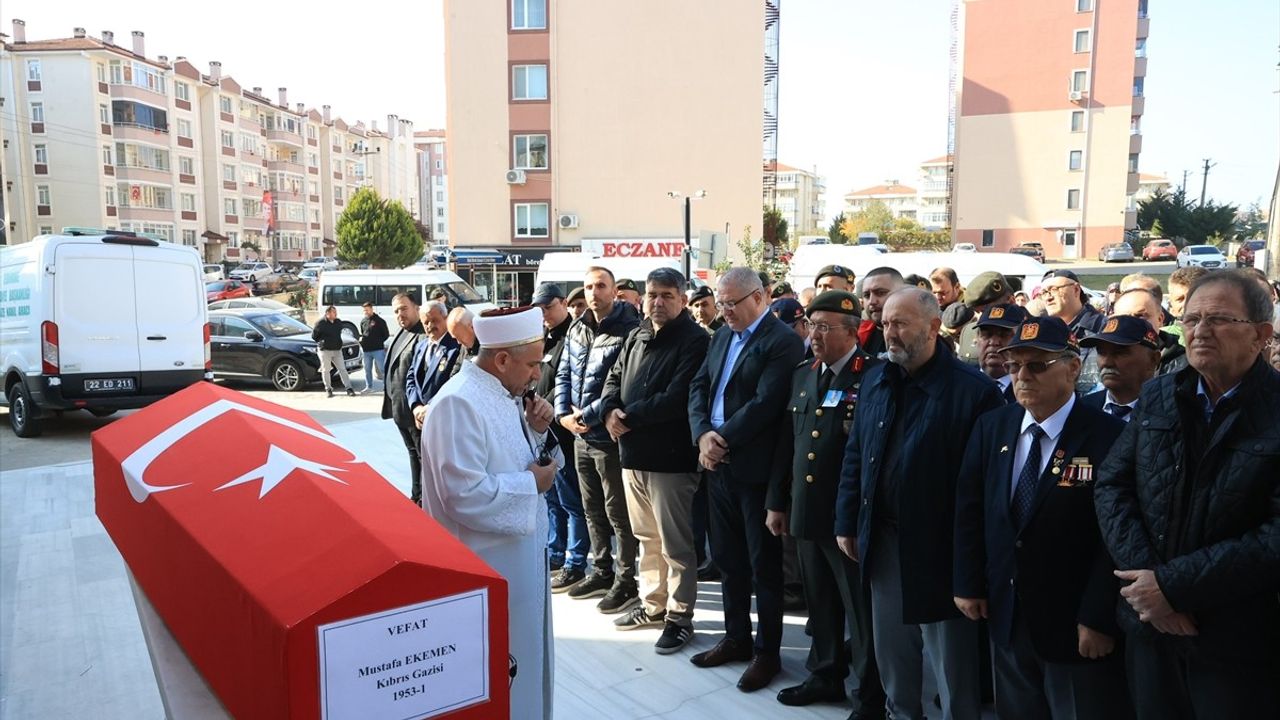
x=299, y=582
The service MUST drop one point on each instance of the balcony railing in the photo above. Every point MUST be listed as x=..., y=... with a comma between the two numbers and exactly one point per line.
x=136, y=126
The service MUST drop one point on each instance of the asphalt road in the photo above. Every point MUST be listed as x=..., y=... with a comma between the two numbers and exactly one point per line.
x=66, y=439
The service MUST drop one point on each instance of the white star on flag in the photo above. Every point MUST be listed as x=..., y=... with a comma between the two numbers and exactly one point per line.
x=280, y=463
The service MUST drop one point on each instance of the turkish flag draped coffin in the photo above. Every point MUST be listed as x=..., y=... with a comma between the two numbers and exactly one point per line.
x=300, y=583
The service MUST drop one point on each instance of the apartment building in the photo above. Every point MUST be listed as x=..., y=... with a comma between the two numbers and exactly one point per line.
x=1049, y=123
x=931, y=195
x=899, y=198
x=433, y=183
x=798, y=195
x=578, y=128
x=100, y=135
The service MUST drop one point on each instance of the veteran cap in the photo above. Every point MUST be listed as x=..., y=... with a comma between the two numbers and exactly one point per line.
x=1043, y=333
x=1124, y=330
x=1005, y=315
x=788, y=310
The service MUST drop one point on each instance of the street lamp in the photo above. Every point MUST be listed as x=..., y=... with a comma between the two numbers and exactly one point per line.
x=688, y=233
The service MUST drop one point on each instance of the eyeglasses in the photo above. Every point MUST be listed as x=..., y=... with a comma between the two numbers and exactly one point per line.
x=820, y=327
x=1036, y=367
x=1058, y=288
x=1190, y=322
x=734, y=303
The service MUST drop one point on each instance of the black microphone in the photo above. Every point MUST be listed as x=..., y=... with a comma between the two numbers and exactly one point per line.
x=544, y=458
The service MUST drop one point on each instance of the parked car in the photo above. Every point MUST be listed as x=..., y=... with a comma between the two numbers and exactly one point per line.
x=309, y=275
x=251, y=303
x=1244, y=256
x=1205, y=256
x=71, y=342
x=269, y=345
x=1030, y=252
x=225, y=290
x=277, y=282
x=321, y=263
x=1160, y=250
x=1116, y=252
x=214, y=272
x=1039, y=250
x=251, y=272
x=965, y=247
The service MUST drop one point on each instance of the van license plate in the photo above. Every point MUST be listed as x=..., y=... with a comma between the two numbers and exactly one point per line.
x=108, y=385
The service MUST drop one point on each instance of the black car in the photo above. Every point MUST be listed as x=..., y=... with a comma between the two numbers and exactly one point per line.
x=269, y=345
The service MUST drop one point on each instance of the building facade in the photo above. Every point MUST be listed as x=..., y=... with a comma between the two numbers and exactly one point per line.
x=899, y=198
x=798, y=195
x=1049, y=123
x=575, y=129
x=433, y=184
x=104, y=136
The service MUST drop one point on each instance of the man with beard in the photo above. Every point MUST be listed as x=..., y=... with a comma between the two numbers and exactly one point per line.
x=702, y=305
x=876, y=288
x=395, y=404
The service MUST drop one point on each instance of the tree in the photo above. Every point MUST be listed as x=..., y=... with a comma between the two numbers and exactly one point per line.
x=775, y=228
x=834, y=233
x=1171, y=215
x=378, y=233
x=876, y=217
x=1211, y=223
x=1251, y=223
x=249, y=246
x=424, y=232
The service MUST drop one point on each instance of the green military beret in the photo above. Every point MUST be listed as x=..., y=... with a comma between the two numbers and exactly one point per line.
x=986, y=288
x=627, y=284
x=836, y=301
x=836, y=270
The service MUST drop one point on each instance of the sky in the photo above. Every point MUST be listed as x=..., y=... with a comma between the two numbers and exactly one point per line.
x=862, y=90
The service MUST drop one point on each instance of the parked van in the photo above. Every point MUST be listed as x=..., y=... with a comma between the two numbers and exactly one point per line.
x=349, y=290
x=809, y=259
x=98, y=321
x=569, y=269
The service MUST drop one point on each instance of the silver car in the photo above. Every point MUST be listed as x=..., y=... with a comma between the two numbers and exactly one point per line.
x=1116, y=252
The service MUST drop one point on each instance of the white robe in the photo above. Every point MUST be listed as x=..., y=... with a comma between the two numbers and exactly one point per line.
x=475, y=451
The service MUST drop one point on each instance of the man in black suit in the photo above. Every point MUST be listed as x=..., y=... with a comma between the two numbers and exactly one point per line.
x=1028, y=553
x=1128, y=352
x=736, y=404
x=802, y=501
x=437, y=358
x=995, y=326
x=395, y=406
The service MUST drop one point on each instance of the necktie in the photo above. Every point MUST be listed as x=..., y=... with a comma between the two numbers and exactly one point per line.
x=824, y=383
x=1120, y=411
x=1025, y=493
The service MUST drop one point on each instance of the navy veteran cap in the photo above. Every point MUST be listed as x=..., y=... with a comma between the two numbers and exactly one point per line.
x=836, y=301
x=546, y=293
x=699, y=293
x=836, y=270
x=1043, y=333
x=788, y=310
x=1006, y=316
x=1124, y=330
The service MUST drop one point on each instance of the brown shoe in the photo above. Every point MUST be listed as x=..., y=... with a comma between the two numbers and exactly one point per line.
x=725, y=651
x=759, y=673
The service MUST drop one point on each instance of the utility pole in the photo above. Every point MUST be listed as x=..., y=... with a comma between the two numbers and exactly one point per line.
x=1185, y=173
x=1205, y=181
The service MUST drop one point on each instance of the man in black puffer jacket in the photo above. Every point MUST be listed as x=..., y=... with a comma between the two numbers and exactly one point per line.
x=1188, y=502
x=595, y=341
x=646, y=401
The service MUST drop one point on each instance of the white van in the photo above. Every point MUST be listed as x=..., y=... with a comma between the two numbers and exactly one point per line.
x=809, y=259
x=98, y=321
x=349, y=290
x=569, y=269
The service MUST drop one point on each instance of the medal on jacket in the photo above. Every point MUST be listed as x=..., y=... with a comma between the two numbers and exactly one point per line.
x=1079, y=472
x=1059, y=458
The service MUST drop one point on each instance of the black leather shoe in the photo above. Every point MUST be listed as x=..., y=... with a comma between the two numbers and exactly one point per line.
x=725, y=651
x=760, y=672
x=867, y=714
x=812, y=690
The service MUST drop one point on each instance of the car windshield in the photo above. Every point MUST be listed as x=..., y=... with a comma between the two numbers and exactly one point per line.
x=243, y=266
x=1203, y=250
x=465, y=292
x=215, y=286
x=278, y=324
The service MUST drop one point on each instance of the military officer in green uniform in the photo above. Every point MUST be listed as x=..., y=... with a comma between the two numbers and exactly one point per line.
x=987, y=289
x=801, y=503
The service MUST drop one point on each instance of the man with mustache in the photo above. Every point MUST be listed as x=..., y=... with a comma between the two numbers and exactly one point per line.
x=995, y=329
x=1128, y=352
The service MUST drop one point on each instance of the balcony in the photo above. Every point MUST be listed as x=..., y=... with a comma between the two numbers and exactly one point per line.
x=1135, y=144
x=1140, y=67
x=142, y=133
x=285, y=137
x=1139, y=106
x=284, y=166
x=1144, y=27
x=144, y=174
x=1131, y=186
x=1130, y=219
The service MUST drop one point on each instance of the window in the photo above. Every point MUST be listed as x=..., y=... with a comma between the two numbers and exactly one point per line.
x=439, y=196
x=228, y=139
x=528, y=14
x=531, y=152
x=187, y=166
x=106, y=155
x=141, y=156
x=1137, y=86
x=1141, y=49
x=293, y=212
x=1081, y=41
x=182, y=91
x=125, y=112
x=46, y=229
x=146, y=196
x=529, y=82
x=1133, y=162
x=233, y=239
x=184, y=128
x=250, y=175
x=42, y=154
x=531, y=220
x=440, y=227
x=1084, y=5
x=439, y=212
x=224, y=104
x=1068, y=237
x=189, y=237
x=1073, y=199
x=161, y=230
x=229, y=173
x=1079, y=80
x=37, y=112
x=313, y=160
x=229, y=206
x=104, y=114
x=988, y=238
x=1135, y=125
x=109, y=196
x=311, y=132
x=188, y=202
x=42, y=195
x=315, y=215
x=1142, y=9
x=138, y=74
x=313, y=187
x=1075, y=160
x=439, y=165
x=33, y=70
x=102, y=72
x=1077, y=121
x=337, y=194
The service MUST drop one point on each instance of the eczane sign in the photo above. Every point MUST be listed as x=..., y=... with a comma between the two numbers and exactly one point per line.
x=635, y=247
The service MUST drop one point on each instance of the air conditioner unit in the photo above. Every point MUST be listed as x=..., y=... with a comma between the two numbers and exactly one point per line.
x=568, y=222
x=1075, y=95
x=515, y=177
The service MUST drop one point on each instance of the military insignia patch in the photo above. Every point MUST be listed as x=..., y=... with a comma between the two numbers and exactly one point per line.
x=1111, y=326
x=997, y=313
x=1030, y=331
x=846, y=304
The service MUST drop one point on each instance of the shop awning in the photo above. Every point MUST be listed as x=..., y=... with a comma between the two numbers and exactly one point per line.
x=479, y=256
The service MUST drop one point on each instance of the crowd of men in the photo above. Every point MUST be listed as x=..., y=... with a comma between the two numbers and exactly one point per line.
x=1076, y=507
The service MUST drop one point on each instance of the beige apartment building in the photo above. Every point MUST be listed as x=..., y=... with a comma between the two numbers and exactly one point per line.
x=1049, y=123
x=100, y=135
x=899, y=198
x=572, y=122
x=798, y=195
x=433, y=185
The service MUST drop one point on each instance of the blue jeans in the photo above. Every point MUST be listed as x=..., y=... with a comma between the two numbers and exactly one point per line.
x=373, y=362
x=568, y=539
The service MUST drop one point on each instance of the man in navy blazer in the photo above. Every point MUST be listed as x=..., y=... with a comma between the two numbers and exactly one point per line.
x=1028, y=553
x=1128, y=351
x=995, y=326
x=736, y=401
x=896, y=505
x=436, y=359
